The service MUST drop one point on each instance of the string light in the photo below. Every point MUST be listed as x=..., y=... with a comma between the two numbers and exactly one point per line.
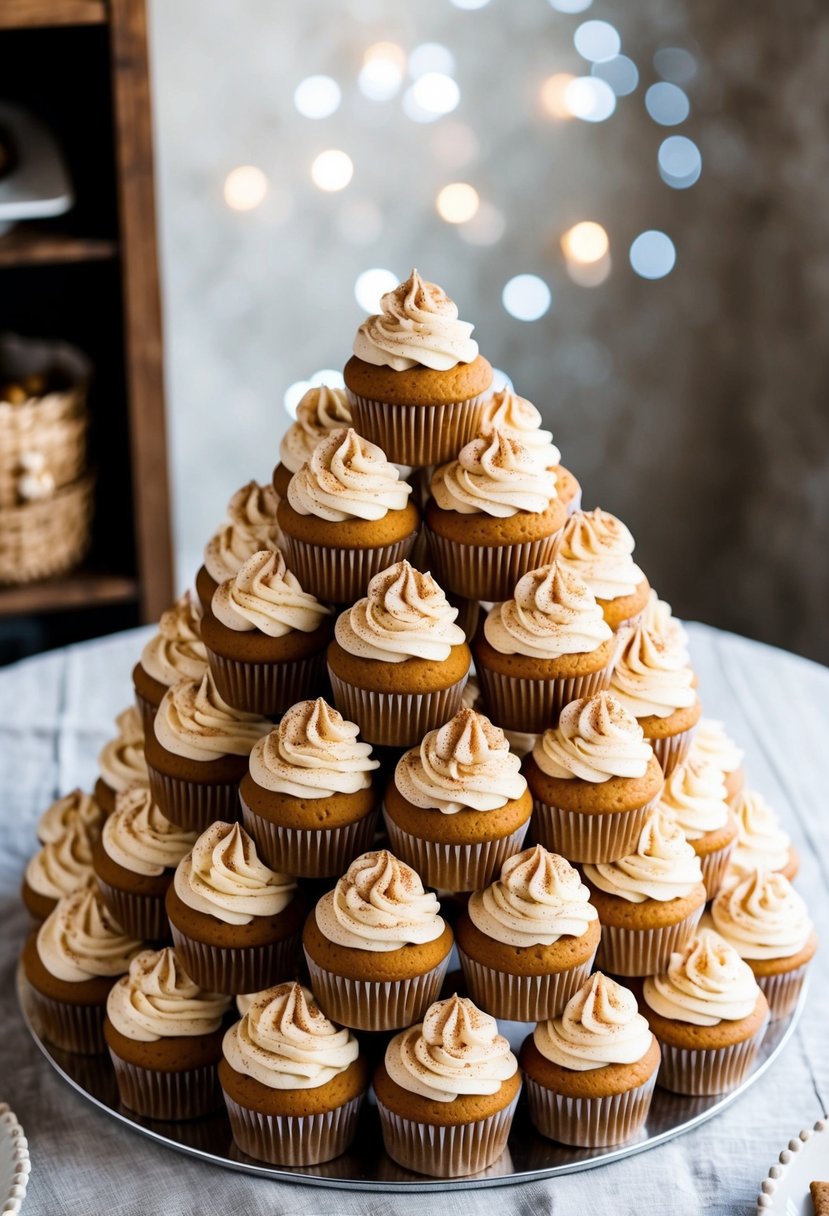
x=457, y=203
x=332, y=170
x=245, y=188
x=585, y=242
x=526, y=297
x=317, y=96
x=653, y=254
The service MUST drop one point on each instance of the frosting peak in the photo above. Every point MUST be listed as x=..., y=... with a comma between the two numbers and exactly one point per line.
x=158, y=1000
x=706, y=983
x=601, y=1025
x=121, y=761
x=223, y=877
x=663, y=867
x=81, y=940
x=652, y=676
x=599, y=547
x=763, y=917
x=517, y=418
x=405, y=615
x=346, y=477
x=252, y=508
x=596, y=739
x=417, y=326
x=313, y=753
x=264, y=595
x=194, y=722
x=252, y=526
x=379, y=904
x=553, y=613
x=322, y=409
x=538, y=899
x=64, y=863
x=712, y=745
x=76, y=807
x=496, y=475
x=761, y=842
x=695, y=797
x=138, y=837
x=177, y=651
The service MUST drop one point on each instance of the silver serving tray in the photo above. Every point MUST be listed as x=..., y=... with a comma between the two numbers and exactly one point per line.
x=365, y=1167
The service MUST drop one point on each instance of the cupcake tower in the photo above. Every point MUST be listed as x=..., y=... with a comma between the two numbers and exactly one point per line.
x=313, y=805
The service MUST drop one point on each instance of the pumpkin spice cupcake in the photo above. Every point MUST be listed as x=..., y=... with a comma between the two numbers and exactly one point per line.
x=251, y=527
x=121, y=762
x=761, y=842
x=598, y=547
x=518, y=418
x=64, y=812
x=321, y=410
x=458, y=805
x=712, y=745
x=659, y=618
x=60, y=867
x=695, y=798
x=175, y=653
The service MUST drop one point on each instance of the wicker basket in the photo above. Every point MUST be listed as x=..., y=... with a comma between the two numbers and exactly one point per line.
x=48, y=536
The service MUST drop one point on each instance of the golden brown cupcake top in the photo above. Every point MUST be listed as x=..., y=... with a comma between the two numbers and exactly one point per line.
x=81, y=939
x=417, y=326
x=313, y=753
x=265, y=595
x=177, y=652
x=596, y=739
x=346, y=477
x=142, y=840
x=194, y=722
x=694, y=796
x=706, y=983
x=380, y=905
x=652, y=676
x=517, y=418
x=223, y=877
x=64, y=864
x=494, y=475
x=77, y=806
x=321, y=410
x=156, y=999
x=405, y=615
x=663, y=867
x=552, y=613
x=763, y=917
x=598, y=547
x=538, y=898
x=601, y=1024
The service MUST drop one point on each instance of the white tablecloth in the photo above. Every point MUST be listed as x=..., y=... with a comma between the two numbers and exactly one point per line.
x=55, y=713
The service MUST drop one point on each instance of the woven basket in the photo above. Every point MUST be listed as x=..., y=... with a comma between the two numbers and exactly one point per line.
x=48, y=536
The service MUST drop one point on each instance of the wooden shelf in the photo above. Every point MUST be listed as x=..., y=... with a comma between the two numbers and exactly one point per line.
x=27, y=245
x=82, y=589
x=29, y=14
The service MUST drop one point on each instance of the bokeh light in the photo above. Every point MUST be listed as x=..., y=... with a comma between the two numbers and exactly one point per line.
x=653, y=254
x=245, y=188
x=571, y=6
x=585, y=242
x=457, y=202
x=553, y=95
x=470, y=4
x=597, y=40
x=332, y=170
x=436, y=93
x=294, y=394
x=486, y=227
x=431, y=57
x=328, y=376
x=676, y=64
x=620, y=72
x=680, y=162
x=590, y=99
x=381, y=75
x=317, y=96
x=500, y=381
x=526, y=297
x=371, y=285
x=667, y=104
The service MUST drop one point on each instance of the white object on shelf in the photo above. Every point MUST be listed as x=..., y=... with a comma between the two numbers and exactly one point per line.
x=805, y=1159
x=37, y=185
x=14, y=1162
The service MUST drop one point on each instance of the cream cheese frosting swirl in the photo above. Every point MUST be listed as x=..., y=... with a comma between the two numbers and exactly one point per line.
x=598, y=547
x=539, y=898
x=121, y=762
x=763, y=917
x=194, y=722
x=663, y=867
x=142, y=840
x=417, y=326
x=405, y=615
x=494, y=475
x=62, y=814
x=346, y=477
x=252, y=509
x=285, y=1041
x=517, y=418
x=553, y=613
x=464, y=765
x=80, y=940
x=231, y=546
x=176, y=652
x=321, y=410
x=694, y=796
x=652, y=676
x=659, y=619
x=711, y=745
x=223, y=877
x=313, y=753
x=379, y=905
x=601, y=1025
x=265, y=595
x=455, y=1050
x=596, y=739
x=706, y=983
x=761, y=842
x=158, y=1000
x=62, y=865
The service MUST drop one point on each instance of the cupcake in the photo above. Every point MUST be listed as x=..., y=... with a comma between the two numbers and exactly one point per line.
x=265, y=637
x=517, y=418
x=235, y=922
x=164, y=1036
x=77, y=807
x=695, y=798
x=653, y=681
x=321, y=410
x=709, y=1016
x=60, y=867
x=134, y=861
x=543, y=648
x=121, y=762
x=659, y=618
x=376, y=946
x=761, y=842
x=527, y=941
x=198, y=753
x=309, y=799
x=593, y=780
x=398, y=663
x=175, y=653
x=447, y=1091
x=493, y=515
x=416, y=384
x=598, y=547
x=650, y=902
x=293, y=1082
x=252, y=527
x=346, y=517
x=712, y=745
x=458, y=805
x=520, y=741
x=590, y=1073
x=71, y=962
x=767, y=923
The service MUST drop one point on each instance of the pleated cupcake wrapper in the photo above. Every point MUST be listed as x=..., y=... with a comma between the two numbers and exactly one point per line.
x=708, y=1070
x=468, y=613
x=78, y=1028
x=267, y=688
x=146, y=712
x=394, y=719
x=782, y=991
x=714, y=866
x=236, y=969
x=446, y=1152
x=341, y=576
x=309, y=854
x=375, y=1005
x=589, y=1122
x=517, y=703
x=644, y=951
x=142, y=916
x=417, y=434
x=671, y=752
x=486, y=572
x=294, y=1139
x=167, y=1095
x=194, y=805
x=593, y=838
x=454, y=867
x=522, y=998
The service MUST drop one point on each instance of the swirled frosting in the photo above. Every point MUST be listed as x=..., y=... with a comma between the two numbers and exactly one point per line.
x=596, y=739
x=417, y=326
x=598, y=547
x=157, y=999
x=138, y=837
x=313, y=753
x=694, y=796
x=405, y=615
x=176, y=652
x=379, y=904
x=223, y=877
x=494, y=475
x=285, y=1041
x=64, y=864
x=231, y=546
x=455, y=1050
x=553, y=613
x=663, y=867
x=121, y=762
x=252, y=509
x=517, y=418
x=346, y=477
x=81, y=940
x=761, y=842
x=264, y=595
x=320, y=411
x=652, y=676
x=763, y=917
x=538, y=898
x=62, y=814
x=601, y=1024
x=194, y=722
x=706, y=983
x=464, y=765
x=659, y=619
x=711, y=745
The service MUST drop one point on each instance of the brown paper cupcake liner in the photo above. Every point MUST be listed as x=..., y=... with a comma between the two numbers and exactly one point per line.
x=372, y=1005
x=417, y=434
x=592, y=838
x=522, y=998
x=487, y=572
x=708, y=1070
x=294, y=1139
x=468, y=614
x=310, y=854
x=194, y=805
x=782, y=991
x=714, y=866
x=146, y=712
x=235, y=969
x=341, y=576
x=267, y=688
x=589, y=1122
x=516, y=703
x=167, y=1095
x=78, y=1028
x=644, y=951
x=454, y=867
x=671, y=752
x=142, y=916
x=446, y=1152
x=393, y=719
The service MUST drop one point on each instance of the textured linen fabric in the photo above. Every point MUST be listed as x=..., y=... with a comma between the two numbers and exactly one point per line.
x=57, y=710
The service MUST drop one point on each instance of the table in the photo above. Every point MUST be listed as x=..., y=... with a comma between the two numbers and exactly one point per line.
x=57, y=710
